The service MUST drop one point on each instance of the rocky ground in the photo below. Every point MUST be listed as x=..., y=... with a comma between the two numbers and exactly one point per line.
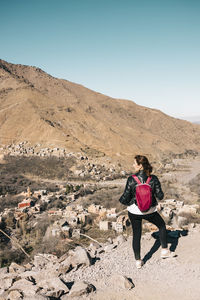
x=77, y=277
x=172, y=278
x=109, y=272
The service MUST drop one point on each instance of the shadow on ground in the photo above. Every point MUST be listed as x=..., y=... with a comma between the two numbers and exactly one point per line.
x=172, y=238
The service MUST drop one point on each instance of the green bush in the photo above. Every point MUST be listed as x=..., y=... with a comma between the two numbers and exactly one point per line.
x=69, y=189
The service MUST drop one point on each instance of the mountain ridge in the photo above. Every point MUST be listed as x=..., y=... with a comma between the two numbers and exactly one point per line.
x=46, y=108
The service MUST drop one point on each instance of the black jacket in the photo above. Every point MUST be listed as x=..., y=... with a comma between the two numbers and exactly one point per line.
x=128, y=196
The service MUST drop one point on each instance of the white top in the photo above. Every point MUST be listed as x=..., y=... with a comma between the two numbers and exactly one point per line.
x=133, y=208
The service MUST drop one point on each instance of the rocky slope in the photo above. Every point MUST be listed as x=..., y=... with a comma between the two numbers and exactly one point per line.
x=108, y=272
x=37, y=107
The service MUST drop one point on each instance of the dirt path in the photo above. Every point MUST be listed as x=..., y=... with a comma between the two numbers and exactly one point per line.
x=193, y=169
x=159, y=279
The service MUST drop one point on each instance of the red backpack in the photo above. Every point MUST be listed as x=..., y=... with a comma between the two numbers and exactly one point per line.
x=143, y=194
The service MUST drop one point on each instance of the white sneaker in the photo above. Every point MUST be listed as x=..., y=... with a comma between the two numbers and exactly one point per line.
x=139, y=263
x=165, y=252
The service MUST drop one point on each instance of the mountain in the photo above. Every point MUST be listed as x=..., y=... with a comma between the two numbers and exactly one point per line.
x=37, y=107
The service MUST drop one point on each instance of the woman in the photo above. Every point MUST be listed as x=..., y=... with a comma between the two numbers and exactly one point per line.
x=143, y=171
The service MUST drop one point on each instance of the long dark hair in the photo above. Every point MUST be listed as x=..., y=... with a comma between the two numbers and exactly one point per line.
x=143, y=160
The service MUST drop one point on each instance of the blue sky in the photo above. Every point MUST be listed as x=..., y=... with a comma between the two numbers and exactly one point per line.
x=147, y=51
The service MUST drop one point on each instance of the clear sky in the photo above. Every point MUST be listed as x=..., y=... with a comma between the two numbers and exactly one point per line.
x=147, y=51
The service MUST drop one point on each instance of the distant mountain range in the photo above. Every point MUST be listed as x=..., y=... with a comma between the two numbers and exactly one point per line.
x=37, y=107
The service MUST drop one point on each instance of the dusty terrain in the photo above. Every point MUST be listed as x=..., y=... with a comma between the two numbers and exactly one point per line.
x=159, y=279
x=172, y=278
x=192, y=169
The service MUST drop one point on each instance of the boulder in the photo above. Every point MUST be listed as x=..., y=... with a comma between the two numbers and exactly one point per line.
x=120, y=281
x=3, y=295
x=167, y=213
x=3, y=271
x=93, y=248
x=120, y=239
x=80, y=257
x=65, y=265
x=179, y=204
x=15, y=295
x=15, y=268
x=6, y=282
x=109, y=247
x=41, y=275
x=36, y=297
x=110, y=240
x=52, y=287
x=81, y=288
x=28, y=266
x=41, y=260
x=25, y=287
x=76, y=257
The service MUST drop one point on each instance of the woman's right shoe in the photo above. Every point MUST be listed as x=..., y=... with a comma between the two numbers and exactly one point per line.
x=165, y=252
x=139, y=263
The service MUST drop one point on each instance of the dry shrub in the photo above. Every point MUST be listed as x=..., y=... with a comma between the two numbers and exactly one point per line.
x=191, y=218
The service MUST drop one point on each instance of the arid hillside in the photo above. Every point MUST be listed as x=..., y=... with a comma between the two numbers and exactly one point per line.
x=37, y=107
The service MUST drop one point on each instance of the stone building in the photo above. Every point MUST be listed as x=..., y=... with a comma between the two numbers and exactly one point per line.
x=66, y=230
x=56, y=231
x=25, y=203
x=111, y=213
x=95, y=209
x=119, y=227
x=55, y=212
x=105, y=225
x=76, y=233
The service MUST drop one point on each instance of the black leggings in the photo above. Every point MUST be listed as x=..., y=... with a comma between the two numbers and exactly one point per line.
x=136, y=221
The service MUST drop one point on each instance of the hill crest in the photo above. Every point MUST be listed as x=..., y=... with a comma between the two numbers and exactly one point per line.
x=38, y=107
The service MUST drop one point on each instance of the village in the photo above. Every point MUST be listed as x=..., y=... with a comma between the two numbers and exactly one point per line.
x=84, y=167
x=72, y=218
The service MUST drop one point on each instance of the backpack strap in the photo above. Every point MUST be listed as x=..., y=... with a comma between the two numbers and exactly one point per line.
x=136, y=179
x=148, y=180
